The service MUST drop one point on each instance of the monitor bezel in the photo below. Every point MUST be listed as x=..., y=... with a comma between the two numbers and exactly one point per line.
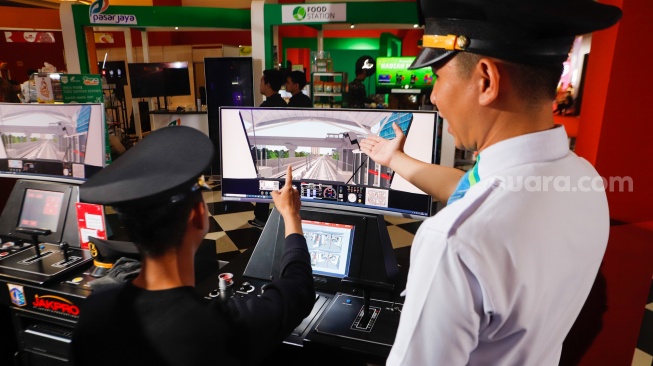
x=89, y=169
x=13, y=209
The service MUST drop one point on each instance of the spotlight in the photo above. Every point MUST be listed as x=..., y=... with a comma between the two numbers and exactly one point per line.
x=352, y=26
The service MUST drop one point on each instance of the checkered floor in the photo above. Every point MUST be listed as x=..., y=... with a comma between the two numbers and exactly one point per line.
x=232, y=234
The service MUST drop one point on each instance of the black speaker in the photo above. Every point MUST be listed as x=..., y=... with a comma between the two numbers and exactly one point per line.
x=144, y=111
x=203, y=94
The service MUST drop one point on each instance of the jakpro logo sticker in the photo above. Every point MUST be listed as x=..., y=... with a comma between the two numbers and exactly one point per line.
x=17, y=295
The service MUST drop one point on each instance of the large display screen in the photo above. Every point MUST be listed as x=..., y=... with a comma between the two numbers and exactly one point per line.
x=41, y=209
x=158, y=79
x=392, y=75
x=64, y=142
x=329, y=169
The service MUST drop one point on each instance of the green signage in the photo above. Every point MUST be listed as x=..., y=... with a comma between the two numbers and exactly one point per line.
x=393, y=73
x=82, y=88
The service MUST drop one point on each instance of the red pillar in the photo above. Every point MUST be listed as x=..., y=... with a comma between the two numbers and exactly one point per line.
x=616, y=126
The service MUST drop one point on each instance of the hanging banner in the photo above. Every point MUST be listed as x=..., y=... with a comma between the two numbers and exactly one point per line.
x=29, y=37
x=314, y=13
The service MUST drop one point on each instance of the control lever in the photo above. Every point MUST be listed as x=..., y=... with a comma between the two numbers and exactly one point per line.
x=367, y=286
x=34, y=232
x=64, y=248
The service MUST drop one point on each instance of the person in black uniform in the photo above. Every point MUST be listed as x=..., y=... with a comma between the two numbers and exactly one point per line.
x=158, y=318
x=295, y=83
x=270, y=84
x=357, y=94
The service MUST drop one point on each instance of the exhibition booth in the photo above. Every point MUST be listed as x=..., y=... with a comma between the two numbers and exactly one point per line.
x=164, y=79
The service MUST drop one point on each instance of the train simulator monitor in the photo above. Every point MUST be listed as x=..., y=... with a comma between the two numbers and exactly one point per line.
x=53, y=142
x=257, y=144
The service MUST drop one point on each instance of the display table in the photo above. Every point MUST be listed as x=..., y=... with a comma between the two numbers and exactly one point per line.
x=198, y=120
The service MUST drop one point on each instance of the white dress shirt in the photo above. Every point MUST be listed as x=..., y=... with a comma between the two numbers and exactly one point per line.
x=499, y=276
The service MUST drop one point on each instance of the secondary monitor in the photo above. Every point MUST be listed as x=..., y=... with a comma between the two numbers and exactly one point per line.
x=329, y=245
x=37, y=204
x=158, y=79
x=56, y=142
x=329, y=169
x=41, y=209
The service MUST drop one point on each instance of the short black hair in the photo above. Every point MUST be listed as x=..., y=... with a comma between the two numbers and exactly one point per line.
x=159, y=228
x=298, y=77
x=534, y=82
x=273, y=77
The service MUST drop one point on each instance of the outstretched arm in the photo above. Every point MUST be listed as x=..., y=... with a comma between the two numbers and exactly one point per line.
x=436, y=180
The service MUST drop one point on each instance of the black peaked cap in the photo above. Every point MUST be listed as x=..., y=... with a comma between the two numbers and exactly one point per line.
x=522, y=31
x=166, y=163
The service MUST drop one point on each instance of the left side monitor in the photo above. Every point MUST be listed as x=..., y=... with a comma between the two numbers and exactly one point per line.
x=42, y=205
x=54, y=142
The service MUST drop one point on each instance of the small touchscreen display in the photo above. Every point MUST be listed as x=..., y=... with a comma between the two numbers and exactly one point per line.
x=41, y=209
x=329, y=245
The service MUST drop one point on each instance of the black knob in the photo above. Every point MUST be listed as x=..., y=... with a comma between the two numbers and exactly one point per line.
x=64, y=249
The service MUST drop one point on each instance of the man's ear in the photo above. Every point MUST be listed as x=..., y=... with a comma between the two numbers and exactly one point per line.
x=196, y=217
x=488, y=78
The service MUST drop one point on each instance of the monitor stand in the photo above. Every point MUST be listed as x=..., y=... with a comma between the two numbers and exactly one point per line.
x=165, y=104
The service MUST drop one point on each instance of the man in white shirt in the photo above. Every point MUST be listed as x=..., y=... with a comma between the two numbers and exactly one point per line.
x=499, y=275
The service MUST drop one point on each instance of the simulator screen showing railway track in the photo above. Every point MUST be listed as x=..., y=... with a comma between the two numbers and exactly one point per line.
x=54, y=140
x=321, y=145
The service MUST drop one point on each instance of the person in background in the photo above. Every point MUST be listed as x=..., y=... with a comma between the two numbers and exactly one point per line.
x=295, y=83
x=28, y=88
x=357, y=94
x=9, y=89
x=158, y=318
x=270, y=84
x=499, y=276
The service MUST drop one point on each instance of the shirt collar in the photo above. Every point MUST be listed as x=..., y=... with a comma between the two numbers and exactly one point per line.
x=547, y=145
